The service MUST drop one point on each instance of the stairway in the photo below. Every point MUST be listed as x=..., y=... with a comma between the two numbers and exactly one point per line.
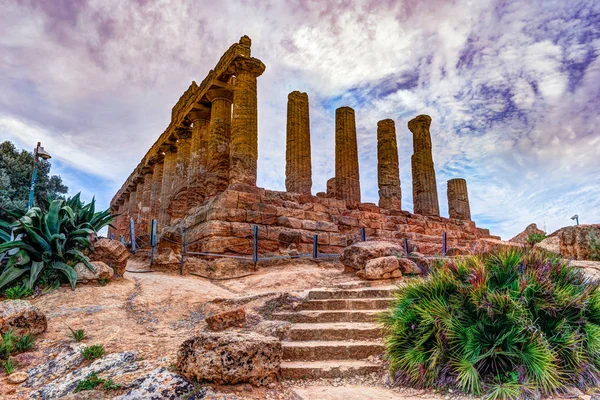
x=334, y=333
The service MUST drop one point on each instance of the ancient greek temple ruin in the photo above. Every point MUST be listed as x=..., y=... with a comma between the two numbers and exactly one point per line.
x=201, y=175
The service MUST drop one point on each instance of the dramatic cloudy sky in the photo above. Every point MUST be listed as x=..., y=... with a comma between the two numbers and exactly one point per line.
x=513, y=88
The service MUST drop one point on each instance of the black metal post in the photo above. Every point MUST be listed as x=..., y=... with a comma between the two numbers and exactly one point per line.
x=363, y=234
x=255, y=244
x=444, y=244
x=112, y=236
x=183, y=250
x=406, y=246
x=123, y=239
x=315, y=246
x=132, y=235
x=152, y=240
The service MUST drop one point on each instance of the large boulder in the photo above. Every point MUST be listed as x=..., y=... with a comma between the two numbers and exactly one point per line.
x=581, y=242
x=357, y=255
x=111, y=252
x=230, y=358
x=158, y=384
x=381, y=268
x=85, y=275
x=521, y=238
x=22, y=317
x=550, y=244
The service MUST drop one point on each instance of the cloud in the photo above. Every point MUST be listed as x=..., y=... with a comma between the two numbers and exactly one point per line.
x=512, y=89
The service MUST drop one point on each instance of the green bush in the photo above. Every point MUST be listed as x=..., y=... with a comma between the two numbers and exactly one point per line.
x=77, y=334
x=594, y=245
x=18, y=292
x=503, y=325
x=535, y=238
x=93, y=352
x=51, y=242
x=93, y=380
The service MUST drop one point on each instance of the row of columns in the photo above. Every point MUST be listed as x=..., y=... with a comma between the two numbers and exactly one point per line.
x=346, y=183
x=217, y=150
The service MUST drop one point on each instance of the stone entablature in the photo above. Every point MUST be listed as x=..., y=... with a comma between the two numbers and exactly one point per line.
x=201, y=175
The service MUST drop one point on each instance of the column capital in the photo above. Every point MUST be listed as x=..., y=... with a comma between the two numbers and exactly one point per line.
x=197, y=115
x=156, y=158
x=219, y=94
x=168, y=148
x=251, y=65
x=183, y=133
x=424, y=121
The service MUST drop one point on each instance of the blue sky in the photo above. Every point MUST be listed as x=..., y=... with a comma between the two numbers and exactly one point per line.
x=513, y=88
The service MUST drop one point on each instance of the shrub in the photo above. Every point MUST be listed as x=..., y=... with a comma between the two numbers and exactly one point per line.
x=93, y=380
x=594, y=244
x=18, y=292
x=93, y=352
x=51, y=242
x=77, y=335
x=503, y=324
x=9, y=366
x=535, y=238
x=24, y=343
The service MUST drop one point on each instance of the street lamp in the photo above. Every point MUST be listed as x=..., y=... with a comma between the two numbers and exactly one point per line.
x=575, y=218
x=37, y=153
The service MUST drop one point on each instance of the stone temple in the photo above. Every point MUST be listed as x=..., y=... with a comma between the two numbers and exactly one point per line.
x=201, y=175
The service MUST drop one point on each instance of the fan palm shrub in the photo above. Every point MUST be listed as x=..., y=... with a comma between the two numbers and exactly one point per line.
x=51, y=242
x=502, y=325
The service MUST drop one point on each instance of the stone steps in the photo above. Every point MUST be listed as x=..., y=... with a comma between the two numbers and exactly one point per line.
x=334, y=331
x=362, y=293
x=327, y=369
x=326, y=316
x=345, y=304
x=330, y=350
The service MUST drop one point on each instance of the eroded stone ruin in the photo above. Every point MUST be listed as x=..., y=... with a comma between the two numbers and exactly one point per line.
x=201, y=175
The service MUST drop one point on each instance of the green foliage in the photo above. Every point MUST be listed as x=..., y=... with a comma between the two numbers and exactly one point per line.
x=24, y=343
x=16, y=168
x=51, y=242
x=594, y=244
x=93, y=352
x=17, y=292
x=103, y=281
x=502, y=325
x=535, y=238
x=93, y=380
x=77, y=335
x=13, y=344
x=9, y=366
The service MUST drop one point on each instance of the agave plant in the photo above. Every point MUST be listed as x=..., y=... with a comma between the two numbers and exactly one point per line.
x=52, y=240
x=503, y=325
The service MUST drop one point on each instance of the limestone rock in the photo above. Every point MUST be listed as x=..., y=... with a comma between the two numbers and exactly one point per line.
x=107, y=367
x=17, y=377
x=221, y=268
x=422, y=261
x=347, y=181
x=577, y=241
x=68, y=358
x=278, y=329
x=455, y=251
x=409, y=267
x=226, y=319
x=591, y=269
x=356, y=255
x=158, y=384
x=458, y=199
x=376, y=268
x=111, y=252
x=551, y=244
x=425, y=197
x=230, y=358
x=22, y=317
x=84, y=275
x=522, y=237
x=298, y=177
x=388, y=173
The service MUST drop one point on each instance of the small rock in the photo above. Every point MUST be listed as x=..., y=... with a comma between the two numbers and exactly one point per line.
x=22, y=317
x=159, y=384
x=17, y=377
x=111, y=252
x=227, y=319
x=85, y=275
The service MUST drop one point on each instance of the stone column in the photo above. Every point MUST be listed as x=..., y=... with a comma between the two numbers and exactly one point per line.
x=156, y=191
x=388, y=172
x=458, y=199
x=243, y=150
x=178, y=205
x=298, y=175
x=124, y=217
x=347, y=181
x=425, y=197
x=145, y=199
x=219, y=137
x=133, y=206
x=169, y=168
x=197, y=172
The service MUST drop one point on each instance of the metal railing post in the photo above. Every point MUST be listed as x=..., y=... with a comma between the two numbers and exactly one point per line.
x=255, y=244
x=444, y=244
x=132, y=235
x=123, y=239
x=112, y=236
x=363, y=234
x=183, y=250
x=152, y=240
x=406, y=246
x=315, y=246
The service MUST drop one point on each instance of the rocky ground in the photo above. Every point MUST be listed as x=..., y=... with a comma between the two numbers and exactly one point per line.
x=142, y=319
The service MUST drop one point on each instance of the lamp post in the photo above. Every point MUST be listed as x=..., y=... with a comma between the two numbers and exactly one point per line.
x=575, y=218
x=37, y=153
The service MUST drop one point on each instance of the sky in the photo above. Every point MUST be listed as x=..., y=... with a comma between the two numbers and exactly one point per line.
x=513, y=89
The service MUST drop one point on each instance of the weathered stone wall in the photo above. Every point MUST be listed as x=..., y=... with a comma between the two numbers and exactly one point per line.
x=224, y=225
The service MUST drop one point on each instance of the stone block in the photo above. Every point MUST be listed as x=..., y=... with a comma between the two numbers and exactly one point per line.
x=309, y=225
x=289, y=222
x=111, y=252
x=254, y=217
x=227, y=214
x=227, y=319
x=226, y=199
x=247, y=200
x=356, y=255
x=85, y=275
